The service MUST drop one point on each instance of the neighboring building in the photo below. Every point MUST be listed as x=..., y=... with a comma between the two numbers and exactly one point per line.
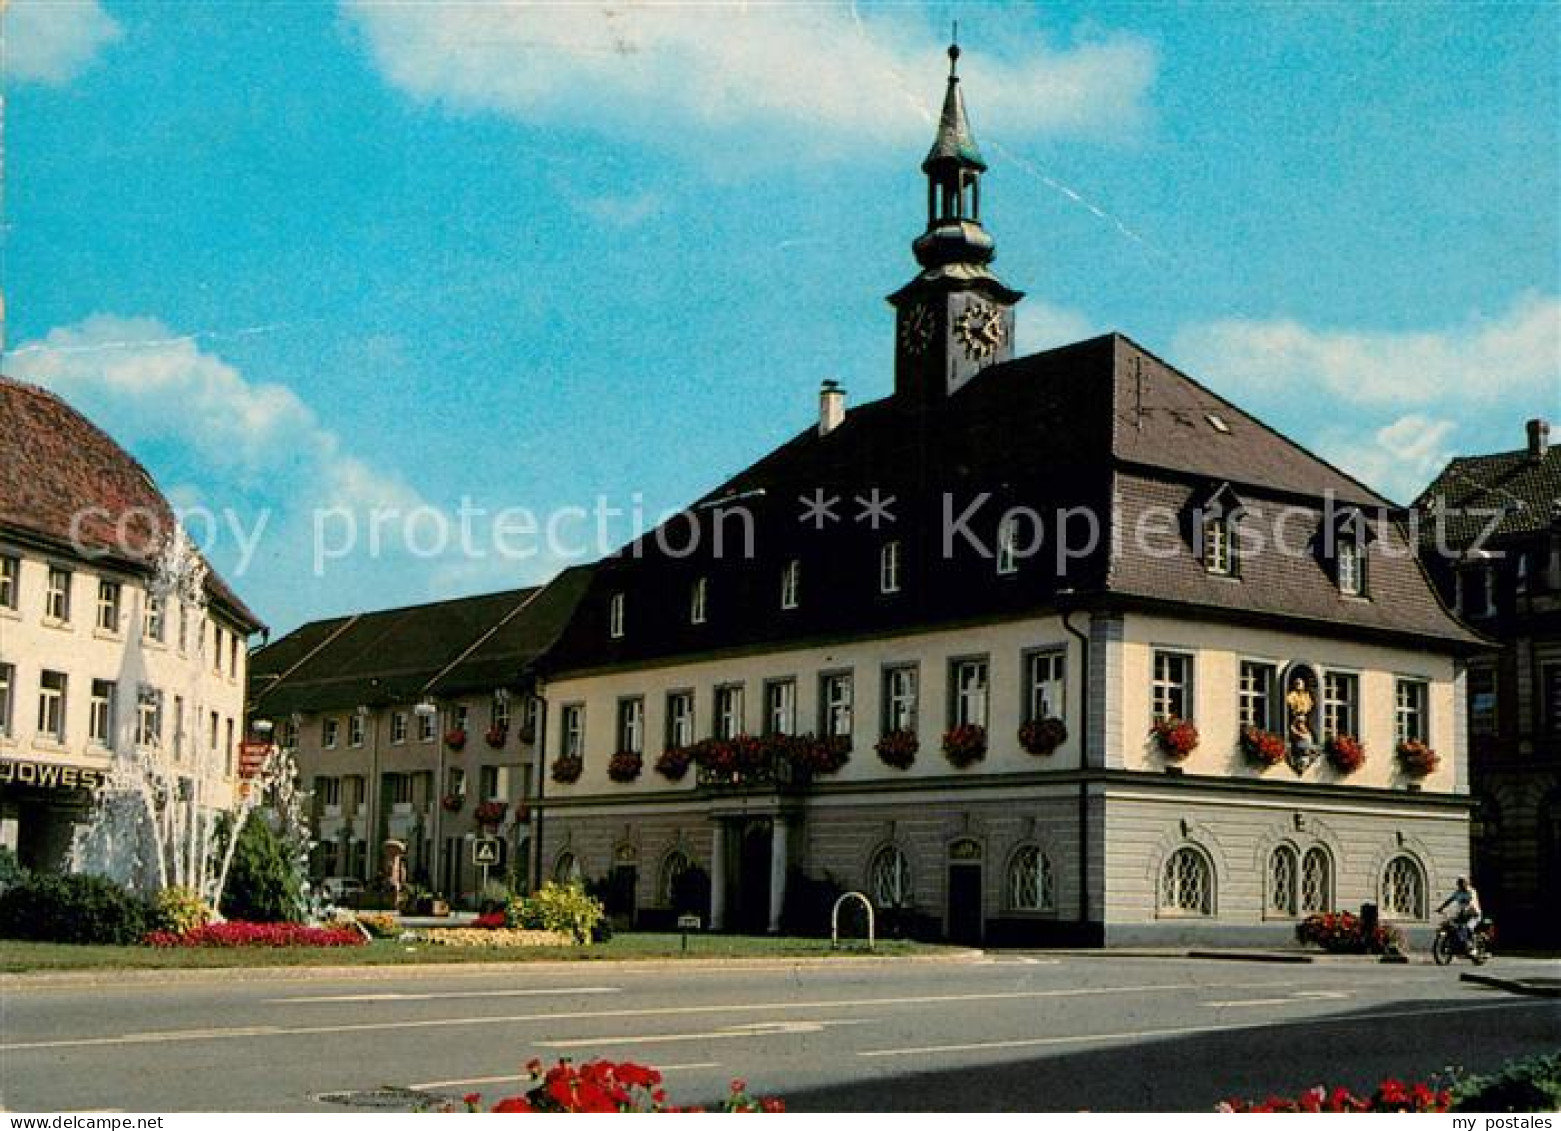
x=939, y=626
x=92, y=661
x=416, y=725
x=1491, y=539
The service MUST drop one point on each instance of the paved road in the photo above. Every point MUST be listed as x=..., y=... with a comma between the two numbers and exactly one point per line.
x=1009, y=1032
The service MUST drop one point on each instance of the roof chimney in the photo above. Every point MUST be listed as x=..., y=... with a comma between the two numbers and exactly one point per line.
x=831, y=407
x=1538, y=438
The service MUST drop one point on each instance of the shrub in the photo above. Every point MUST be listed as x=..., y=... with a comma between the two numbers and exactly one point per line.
x=691, y=891
x=565, y=908
x=178, y=910
x=263, y=884
x=1524, y=1085
x=11, y=870
x=808, y=902
x=72, y=909
x=237, y=933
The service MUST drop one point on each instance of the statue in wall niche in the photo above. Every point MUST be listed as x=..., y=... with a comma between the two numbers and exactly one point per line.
x=1299, y=703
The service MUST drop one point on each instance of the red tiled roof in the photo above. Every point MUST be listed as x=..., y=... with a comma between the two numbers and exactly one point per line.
x=66, y=483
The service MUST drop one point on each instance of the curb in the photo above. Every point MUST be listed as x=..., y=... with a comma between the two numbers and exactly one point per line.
x=123, y=976
x=1252, y=956
x=1513, y=985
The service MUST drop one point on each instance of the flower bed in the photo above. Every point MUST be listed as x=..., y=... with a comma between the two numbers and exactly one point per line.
x=1340, y=932
x=1041, y=737
x=674, y=762
x=965, y=745
x=380, y=924
x=567, y=768
x=493, y=938
x=898, y=748
x=1262, y=747
x=1417, y=758
x=1390, y=1096
x=608, y=1087
x=1345, y=752
x=625, y=766
x=240, y=934
x=1177, y=738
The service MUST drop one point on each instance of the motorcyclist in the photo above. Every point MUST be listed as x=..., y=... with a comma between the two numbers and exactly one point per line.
x=1466, y=915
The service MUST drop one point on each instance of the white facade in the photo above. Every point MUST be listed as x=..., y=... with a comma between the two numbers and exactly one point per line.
x=105, y=677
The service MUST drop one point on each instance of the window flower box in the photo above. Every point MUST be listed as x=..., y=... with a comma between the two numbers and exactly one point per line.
x=1262, y=747
x=898, y=748
x=624, y=766
x=965, y=745
x=1041, y=737
x=455, y=738
x=1345, y=752
x=1417, y=759
x=567, y=768
x=452, y=802
x=674, y=762
x=490, y=812
x=496, y=736
x=1177, y=738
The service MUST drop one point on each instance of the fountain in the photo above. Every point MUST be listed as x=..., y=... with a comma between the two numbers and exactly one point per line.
x=164, y=815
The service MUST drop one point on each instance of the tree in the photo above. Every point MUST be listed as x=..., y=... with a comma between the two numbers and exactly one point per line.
x=263, y=884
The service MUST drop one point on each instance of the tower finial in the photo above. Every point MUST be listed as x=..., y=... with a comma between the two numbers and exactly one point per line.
x=954, y=52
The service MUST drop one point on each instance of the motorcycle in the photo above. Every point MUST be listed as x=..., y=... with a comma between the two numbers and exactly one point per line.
x=1450, y=943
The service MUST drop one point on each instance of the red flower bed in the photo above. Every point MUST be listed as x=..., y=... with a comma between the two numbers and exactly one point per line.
x=1417, y=758
x=1390, y=1096
x=606, y=1087
x=1041, y=737
x=674, y=762
x=492, y=921
x=625, y=765
x=239, y=933
x=1176, y=738
x=1345, y=752
x=1262, y=747
x=965, y=745
x=567, y=768
x=898, y=748
x=1340, y=932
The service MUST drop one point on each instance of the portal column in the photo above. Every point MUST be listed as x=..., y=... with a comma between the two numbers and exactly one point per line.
x=718, y=877
x=778, y=859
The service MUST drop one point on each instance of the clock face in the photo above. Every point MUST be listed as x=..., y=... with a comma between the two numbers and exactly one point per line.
x=916, y=329
x=981, y=330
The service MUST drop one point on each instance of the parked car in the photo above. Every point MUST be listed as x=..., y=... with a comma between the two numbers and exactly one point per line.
x=346, y=891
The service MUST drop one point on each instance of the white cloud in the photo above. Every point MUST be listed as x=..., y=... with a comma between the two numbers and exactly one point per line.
x=740, y=80
x=145, y=384
x=1040, y=325
x=1397, y=459
x=1512, y=355
x=52, y=41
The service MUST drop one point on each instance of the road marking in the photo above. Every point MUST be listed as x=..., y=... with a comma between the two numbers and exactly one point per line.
x=1190, y=1030
x=758, y=1029
x=592, y=1015
x=1300, y=997
x=526, y=1079
x=452, y=995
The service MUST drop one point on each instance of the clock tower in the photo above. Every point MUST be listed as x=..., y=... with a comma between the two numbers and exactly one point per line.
x=956, y=317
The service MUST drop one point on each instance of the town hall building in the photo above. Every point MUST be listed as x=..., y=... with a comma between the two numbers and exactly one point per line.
x=1064, y=648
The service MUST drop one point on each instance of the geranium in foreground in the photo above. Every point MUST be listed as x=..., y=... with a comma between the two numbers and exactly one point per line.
x=605, y=1086
x=1390, y=1096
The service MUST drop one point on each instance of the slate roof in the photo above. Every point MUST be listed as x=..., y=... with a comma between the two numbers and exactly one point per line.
x=1094, y=425
x=390, y=656
x=66, y=485
x=1527, y=490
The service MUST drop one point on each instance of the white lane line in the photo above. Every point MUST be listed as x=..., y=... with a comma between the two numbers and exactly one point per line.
x=526, y=1078
x=1193, y=1030
x=758, y=1029
x=1254, y=1001
x=451, y=996
x=592, y=1015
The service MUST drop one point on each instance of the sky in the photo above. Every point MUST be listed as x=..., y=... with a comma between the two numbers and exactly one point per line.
x=338, y=274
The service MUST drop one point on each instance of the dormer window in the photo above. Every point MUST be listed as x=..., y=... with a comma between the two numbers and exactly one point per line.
x=615, y=616
x=1214, y=523
x=889, y=568
x=791, y=584
x=697, y=596
x=1346, y=537
x=1349, y=566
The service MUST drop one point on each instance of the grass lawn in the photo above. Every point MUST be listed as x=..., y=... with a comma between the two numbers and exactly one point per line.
x=21, y=957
